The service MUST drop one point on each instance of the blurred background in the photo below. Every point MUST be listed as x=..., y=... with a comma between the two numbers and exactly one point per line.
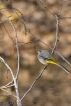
x=54, y=86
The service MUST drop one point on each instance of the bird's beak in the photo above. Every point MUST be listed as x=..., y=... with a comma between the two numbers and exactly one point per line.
x=38, y=52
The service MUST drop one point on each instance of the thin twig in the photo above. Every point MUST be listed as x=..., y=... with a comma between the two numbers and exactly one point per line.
x=9, y=83
x=45, y=7
x=8, y=92
x=57, y=33
x=64, y=2
x=18, y=56
x=2, y=60
x=4, y=87
x=32, y=11
x=65, y=17
x=60, y=6
x=7, y=31
x=34, y=82
x=63, y=58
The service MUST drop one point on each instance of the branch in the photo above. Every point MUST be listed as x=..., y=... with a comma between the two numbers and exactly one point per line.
x=61, y=5
x=63, y=58
x=3, y=61
x=45, y=7
x=4, y=87
x=8, y=84
x=34, y=82
x=64, y=2
x=57, y=33
x=15, y=79
x=8, y=92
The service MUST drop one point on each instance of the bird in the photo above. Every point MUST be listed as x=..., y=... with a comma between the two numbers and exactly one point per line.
x=46, y=57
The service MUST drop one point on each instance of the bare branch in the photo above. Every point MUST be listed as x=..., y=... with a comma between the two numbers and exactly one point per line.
x=60, y=7
x=8, y=92
x=2, y=60
x=64, y=2
x=8, y=83
x=4, y=87
x=18, y=56
x=7, y=31
x=63, y=58
x=45, y=7
x=15, y=79
x=34, y=82
x=32, y=11
x=57, y=33
x=65, y=17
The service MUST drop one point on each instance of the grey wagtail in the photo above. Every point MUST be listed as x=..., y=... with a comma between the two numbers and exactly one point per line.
x=45, y=57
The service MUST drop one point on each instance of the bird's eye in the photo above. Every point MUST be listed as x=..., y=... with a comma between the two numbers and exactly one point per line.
x=40, y=51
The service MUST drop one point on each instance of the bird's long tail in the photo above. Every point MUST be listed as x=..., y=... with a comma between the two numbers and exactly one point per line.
x=63, y=68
